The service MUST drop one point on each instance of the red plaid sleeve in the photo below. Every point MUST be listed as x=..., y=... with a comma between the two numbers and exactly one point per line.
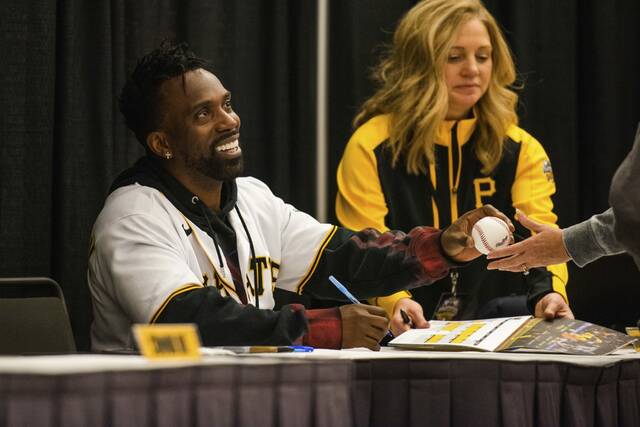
x=325, y=328
x=425, y=246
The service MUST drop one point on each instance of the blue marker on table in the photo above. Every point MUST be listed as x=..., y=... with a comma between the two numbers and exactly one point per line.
x=349, y=295
x=301, y=348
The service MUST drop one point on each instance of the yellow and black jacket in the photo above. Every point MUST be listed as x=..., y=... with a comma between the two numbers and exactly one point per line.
x=372, y=193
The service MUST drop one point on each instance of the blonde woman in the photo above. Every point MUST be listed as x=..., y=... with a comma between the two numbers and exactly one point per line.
x=440, y=137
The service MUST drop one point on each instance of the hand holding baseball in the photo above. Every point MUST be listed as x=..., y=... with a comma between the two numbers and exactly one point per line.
x=491, y=233
x=457, y=241
x=545, y=247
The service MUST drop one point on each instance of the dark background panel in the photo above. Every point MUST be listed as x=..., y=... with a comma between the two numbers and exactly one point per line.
x=359, y=33
x=63, y=139
x=547, y=72
x=27, y=93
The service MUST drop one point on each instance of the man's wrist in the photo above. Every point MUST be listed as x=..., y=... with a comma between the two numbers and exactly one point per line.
x=448, y=258
x=325, y=328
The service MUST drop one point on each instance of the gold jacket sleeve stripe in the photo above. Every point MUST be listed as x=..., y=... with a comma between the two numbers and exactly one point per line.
x=316, y=260
x=360, y=201
x=388, y=303
x=532, y=191
x=174, y=294
x=434, y=205
x=559, y=280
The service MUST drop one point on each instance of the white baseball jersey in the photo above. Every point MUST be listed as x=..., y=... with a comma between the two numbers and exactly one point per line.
x=144, y=252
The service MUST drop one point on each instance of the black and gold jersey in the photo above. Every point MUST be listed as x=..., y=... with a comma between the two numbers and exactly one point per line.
x=373, y=193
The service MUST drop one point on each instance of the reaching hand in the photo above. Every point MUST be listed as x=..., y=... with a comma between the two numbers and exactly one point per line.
x=542, y=249
x=363, y=326
x=456, y=240
x=552, y=305
x=413, y=310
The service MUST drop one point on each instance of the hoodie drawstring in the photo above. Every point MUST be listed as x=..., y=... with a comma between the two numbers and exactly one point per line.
x=258, y=285
x=195, y=201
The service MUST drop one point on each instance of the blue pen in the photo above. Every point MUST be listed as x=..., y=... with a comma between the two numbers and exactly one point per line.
x=344, y=290
x=301, y=348
x=349, y=296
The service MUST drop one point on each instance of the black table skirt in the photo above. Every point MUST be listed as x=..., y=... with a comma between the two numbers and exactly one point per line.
x=340, y=393
x=419, y=392
x=292, y=394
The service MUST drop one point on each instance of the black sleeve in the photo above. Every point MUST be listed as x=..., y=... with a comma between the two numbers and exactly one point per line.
x=540, y=283
x=223, y=321
x=373, y=264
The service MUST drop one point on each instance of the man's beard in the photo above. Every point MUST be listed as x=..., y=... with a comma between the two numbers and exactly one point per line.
x=217, y=168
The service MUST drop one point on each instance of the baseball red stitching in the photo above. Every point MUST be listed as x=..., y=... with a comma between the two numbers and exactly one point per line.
x=483, y=239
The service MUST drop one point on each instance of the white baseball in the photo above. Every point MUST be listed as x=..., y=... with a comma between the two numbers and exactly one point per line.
x=491, y=233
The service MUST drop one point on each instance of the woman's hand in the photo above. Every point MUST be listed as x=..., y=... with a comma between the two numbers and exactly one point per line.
x=413, y=310
x=552, y=306
x=545, y=247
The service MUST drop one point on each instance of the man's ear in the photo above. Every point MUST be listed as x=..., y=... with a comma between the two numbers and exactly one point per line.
x=158, y=145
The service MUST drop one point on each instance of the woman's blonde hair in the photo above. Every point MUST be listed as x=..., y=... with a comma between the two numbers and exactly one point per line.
x=412, y=88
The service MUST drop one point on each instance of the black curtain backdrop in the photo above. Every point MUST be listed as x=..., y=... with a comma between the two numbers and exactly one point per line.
x=63, y=139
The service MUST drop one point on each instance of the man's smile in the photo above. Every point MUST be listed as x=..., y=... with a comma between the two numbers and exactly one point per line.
x=229, y=146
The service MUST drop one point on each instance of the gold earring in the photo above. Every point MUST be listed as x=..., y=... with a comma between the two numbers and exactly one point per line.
x=168, y=155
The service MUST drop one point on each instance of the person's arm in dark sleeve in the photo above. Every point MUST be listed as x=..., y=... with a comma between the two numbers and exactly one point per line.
x=223, y=321
x=539, y=283
x=371, y=263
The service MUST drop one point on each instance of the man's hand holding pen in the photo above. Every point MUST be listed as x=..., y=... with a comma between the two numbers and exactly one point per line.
x=363, y=326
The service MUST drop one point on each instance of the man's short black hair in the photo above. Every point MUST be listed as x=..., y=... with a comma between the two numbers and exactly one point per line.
x=140, y=99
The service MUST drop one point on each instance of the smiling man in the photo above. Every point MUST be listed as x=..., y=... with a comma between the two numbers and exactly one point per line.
x=182, y=238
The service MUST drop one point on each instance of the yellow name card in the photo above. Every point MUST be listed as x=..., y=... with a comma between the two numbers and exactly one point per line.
x=168, y=341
